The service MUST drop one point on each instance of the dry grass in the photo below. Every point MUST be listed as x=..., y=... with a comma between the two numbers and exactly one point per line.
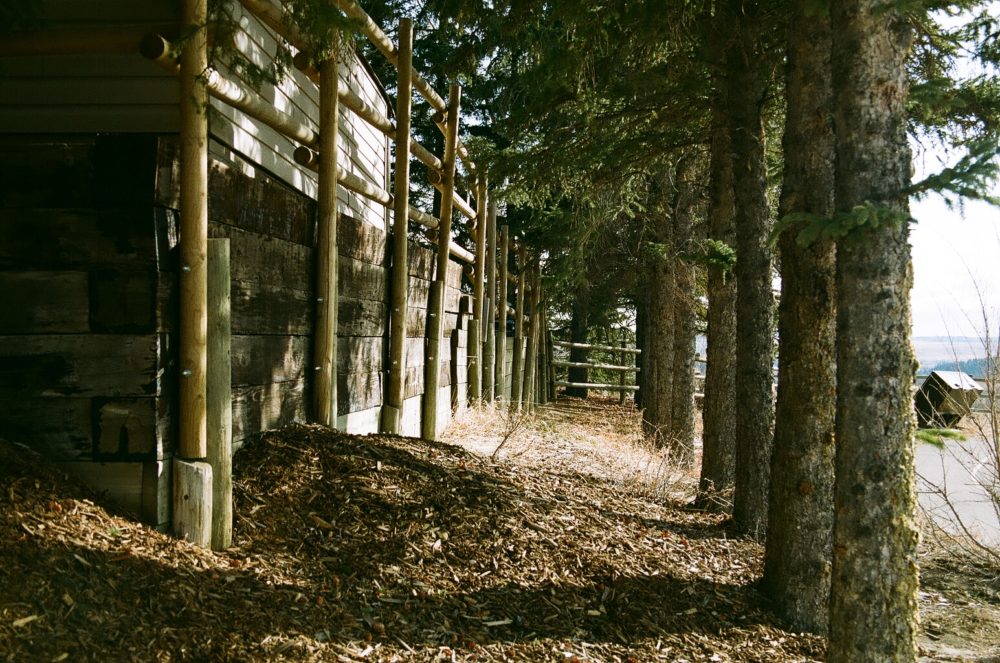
x=595, y=437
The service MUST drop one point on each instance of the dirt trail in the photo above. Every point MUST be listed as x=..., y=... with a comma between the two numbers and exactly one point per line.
x=391, y=549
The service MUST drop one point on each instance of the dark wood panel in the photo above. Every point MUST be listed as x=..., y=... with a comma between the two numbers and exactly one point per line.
x=420, y=262
x=58, y=428
x=110, y=365
x=125, y=429
x=361, y=241
x=418, y=292
x=258, y=408
x=259, y=308
x=259, y=204
x=359, y=354
x=360, y=317
x=86, y=171
x=258, y=258
x=269, y=359
x=55, y=239
x=124, y=300
x=358, y=391
x=361, y=280
x=41, y=302
x=416, y=321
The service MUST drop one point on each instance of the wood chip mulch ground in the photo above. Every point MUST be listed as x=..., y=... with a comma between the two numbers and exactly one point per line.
x=381, y=549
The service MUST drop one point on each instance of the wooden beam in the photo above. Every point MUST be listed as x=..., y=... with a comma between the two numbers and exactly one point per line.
x=435, y=306
x=325, y=342
x=475, y=357
x=517, y=365
x=498, y=380
x=567, y=344
x=193, y=233
x=159, y=50
x=386, y=47
x=606, y=367
x=220, y=393
x=310, y=159
x=303, y=62
x=528, y=394
x=392, y=408
x=490, y=303
x=591, y=385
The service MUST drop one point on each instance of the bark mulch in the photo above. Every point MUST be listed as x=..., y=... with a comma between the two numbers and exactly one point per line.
x=381, y=549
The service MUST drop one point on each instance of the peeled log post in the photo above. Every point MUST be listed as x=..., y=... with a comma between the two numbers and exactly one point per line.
x=543, y=359
x=517, y=362
x=435, y=303
x=220, y=394
x=501, y=344
x=192, y=490
x=478, y=279
x=193, y=235
x=400, y=281
x=326, y=247
x=490, y=313
x=531, y=359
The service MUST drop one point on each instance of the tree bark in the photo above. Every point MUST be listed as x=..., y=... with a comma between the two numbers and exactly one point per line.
x=873, y=607
x=800, y=518
x=579, y=328
x=718, y=461
x=682, y=398
x=749, y=77
x=657, y=401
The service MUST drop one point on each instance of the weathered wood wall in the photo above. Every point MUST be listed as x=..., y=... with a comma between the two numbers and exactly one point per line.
x=88, y=267
x=85, y=349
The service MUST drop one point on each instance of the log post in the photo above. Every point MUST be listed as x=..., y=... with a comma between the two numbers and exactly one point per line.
x=220, y=395
x=395, y=388
x=326, y=245
x=622, y=358
x=193, y=233
x=435, y=302
x=192, y=496
x=476, y=326
x=501, y=362
x=531, y=358
x=490, y=313
x=543, y=357
x=549, y=356
x=517, y=364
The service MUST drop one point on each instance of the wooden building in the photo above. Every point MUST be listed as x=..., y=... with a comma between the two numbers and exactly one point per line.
x=88, y=252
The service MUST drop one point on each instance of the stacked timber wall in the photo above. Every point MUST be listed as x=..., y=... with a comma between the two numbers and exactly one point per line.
x=86, y=265
x=88, y=271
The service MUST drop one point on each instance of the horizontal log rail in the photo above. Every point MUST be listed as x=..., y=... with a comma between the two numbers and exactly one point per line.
x=587, y=346
x=370, y=115
x=592, y=385
x=270, y=14
x=606, y=367
x=385, y=46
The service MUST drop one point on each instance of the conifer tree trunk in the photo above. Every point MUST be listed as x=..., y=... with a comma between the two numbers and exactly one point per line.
x=800, y=518
x=873, y=606
x=749, y=76
x=682, y=398
x=658, y=399
x=718, y=461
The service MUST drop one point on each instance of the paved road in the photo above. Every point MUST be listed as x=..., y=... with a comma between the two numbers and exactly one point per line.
x=965, y=472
